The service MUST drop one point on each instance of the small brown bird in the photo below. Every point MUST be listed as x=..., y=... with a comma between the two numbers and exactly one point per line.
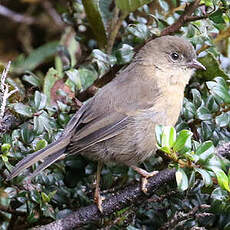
x=118, y=123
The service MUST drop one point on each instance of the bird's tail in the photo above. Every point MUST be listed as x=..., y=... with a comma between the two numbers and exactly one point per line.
x=50, y=154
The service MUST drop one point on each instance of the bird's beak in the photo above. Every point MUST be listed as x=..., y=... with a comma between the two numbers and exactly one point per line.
x=195, y=64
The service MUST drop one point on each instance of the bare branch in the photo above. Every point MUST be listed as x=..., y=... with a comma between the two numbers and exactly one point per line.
x=5, y=91
x=130, y=195
x=183, y=19
x=16, y=16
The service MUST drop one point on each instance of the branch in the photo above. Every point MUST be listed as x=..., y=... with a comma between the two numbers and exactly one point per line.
x=130, y=195
x=16, y=16
x=184, y=18
x=115, y=26
x=4, y=88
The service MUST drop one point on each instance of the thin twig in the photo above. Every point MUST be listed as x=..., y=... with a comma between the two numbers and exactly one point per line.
x=53, y=13
x=5, y=91
x=116, y=24
x=183, y=19
x=16, y=16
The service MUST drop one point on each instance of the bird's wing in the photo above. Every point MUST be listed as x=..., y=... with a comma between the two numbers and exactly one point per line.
x=108, y=113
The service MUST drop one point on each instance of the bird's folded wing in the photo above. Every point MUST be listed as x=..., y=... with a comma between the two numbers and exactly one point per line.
x=101, y=128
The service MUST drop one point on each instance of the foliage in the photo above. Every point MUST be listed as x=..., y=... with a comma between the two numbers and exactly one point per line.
x=54, y=73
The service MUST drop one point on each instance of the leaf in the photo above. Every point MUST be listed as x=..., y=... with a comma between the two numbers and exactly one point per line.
x=181, y=179
x=213, y=68
x=189, y=110
x=87, y=77
x=41, y=144
x=220, y=89
x=222, y=178
x=158, y=133
x=222, y=120
x=94, y=17
x=124, y=54
x=24, y=110
x=140, y=31
x=203, y=113
x=168, y=136
x=205, y=176
x=217, y=16
x=211, y=104
x=51, y=77
x=35, y=58
x=73, y=75
x=205, y=151
x=27, y=135
x=131, y=5
x=43, y=122
x=5, y=148
x=45, y=198
x=182, y=140
x=39, y=100
x=219, y=194
x=32, y=79
x=196, y=98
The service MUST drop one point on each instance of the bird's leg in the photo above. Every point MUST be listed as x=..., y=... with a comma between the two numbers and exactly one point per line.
x=145, y=175
x=97, y=197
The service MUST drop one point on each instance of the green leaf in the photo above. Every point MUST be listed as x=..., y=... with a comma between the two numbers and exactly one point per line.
x=222, y=120
x=104, y=61
x=94, y=17
x=165, y=149
x=27, y=135
x=5, y=148
x=39, y=100
x=24, y=110
x=140, y=31
x=205, y=176
x=211, y=104
x=131, y=5
x=203, y=113
x=220, y=89
x=217, y=16
x=51, y=77
x=219, y=194
x=205, y=151
x=196, y=98
x=222, y=178
x=183, y=139
x=87, y=77
x=181, y=179
x=41, y=144
x=32, y=79
x=213, y=68
x=158, y=133
x=45, y=198
x=35, y=58
x=124, y=54
x=43, y=122
x=73, y=75
x=168, y=136
x=189, y=110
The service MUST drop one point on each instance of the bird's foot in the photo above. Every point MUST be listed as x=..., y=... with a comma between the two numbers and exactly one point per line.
x=145, y=175
x=98, y=200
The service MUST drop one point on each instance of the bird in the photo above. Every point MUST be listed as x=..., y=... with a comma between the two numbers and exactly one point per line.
x=118, y=123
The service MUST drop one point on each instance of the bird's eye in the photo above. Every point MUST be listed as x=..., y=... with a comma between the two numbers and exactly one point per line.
x=175, y=56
